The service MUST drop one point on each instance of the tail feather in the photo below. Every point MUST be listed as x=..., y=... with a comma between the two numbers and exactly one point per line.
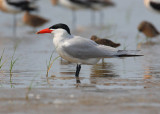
x=128, y=53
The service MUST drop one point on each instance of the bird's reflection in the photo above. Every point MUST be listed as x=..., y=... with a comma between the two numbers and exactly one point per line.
x=147, y=44
x=64, y=69
x=148, y=73
x=101, y=71
x=152, y=72
x=151, y=58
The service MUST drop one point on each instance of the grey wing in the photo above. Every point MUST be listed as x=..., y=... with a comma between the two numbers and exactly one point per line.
x=85, y=48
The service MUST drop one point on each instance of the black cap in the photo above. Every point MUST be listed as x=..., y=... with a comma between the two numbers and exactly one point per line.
x=62, y=26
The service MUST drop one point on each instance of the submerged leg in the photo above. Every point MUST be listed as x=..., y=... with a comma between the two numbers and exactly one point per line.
x=77, y=73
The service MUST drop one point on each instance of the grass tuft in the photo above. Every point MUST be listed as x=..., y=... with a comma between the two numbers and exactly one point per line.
x=2, y=63
x=13, y=61
x=50, y=63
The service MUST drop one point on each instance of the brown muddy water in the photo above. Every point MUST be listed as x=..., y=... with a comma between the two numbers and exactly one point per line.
x=119, y=86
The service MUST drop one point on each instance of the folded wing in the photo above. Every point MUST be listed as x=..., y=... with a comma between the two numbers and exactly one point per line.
x=84, y=49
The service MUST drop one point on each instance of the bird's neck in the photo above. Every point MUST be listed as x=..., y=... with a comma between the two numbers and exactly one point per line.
x=60, y=37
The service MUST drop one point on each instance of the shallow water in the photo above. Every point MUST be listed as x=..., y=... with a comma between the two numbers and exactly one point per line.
x=120, y=25
x=34, y=50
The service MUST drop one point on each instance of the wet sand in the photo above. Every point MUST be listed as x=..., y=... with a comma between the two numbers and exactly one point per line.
x=86, y=100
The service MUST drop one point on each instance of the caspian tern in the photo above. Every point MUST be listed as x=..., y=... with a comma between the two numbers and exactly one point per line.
x=105, y=42
x=33, y=20
x=81, y=50
x=148, y=29
x=16, y=6
x=153, y=5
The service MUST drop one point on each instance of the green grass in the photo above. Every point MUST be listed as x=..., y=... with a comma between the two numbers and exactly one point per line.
x=12, y=64
x=2, y=63
x=50, y=62
x=13, y=61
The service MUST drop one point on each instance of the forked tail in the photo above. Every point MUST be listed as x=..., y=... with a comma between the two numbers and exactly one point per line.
x=128, y=53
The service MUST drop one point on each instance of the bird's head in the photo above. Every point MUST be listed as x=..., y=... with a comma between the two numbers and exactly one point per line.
x=94, y=38
x=58, y=28
x=142, y=26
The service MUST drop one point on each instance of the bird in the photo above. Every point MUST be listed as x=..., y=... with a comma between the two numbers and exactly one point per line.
x=74, y=5
x=153, y=5
x=34, y=20
x=106, y=42
x=99, y=5
x=79, y=50
x=15, y=7
x=148, y=29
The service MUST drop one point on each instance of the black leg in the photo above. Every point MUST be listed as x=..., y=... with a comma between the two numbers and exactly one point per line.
x=77, y=73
